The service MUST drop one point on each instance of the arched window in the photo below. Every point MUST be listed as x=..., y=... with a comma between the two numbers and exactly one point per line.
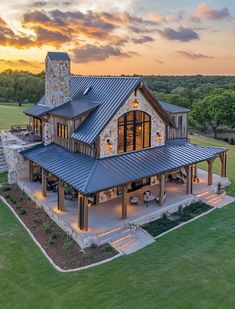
x=134, y=131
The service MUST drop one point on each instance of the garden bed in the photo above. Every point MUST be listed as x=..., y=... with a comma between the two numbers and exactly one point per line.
x=59, y=246
x=167, y=222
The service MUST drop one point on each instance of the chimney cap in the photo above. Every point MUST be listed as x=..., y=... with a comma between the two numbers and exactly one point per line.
x=57, y=56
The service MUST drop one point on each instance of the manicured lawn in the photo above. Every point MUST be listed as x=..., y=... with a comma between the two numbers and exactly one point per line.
x=192, y=267
x=3, y=178
x=11, y=114
x=201, y=140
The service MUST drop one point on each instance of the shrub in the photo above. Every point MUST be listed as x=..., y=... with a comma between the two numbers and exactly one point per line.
x=46, y=226
x=6, y=189
x=52, y=238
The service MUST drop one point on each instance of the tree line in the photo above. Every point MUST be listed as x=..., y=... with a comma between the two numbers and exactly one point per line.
x=21, y=86
x=210, y=98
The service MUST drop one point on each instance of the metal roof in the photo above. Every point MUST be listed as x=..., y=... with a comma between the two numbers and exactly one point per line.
x=111, y=92
x=89, y=175
x=174, y=109
x=74, y=108
x=58, y=56
x=37, y=110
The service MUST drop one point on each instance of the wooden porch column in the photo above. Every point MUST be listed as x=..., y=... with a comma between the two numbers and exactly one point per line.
x=30, y=171
x=189, y=184
x=83, y=212
x=124, y=202
x=161, y=189
x=44, y=182
x=60, y=195
x=223, y=157
x=210, y=171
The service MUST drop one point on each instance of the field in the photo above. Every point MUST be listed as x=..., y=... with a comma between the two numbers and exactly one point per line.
x=12, y=114
x=192, y=267
x=201, y=140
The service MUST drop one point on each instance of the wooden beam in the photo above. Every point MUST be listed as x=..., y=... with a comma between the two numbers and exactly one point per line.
x=83, y=212
x=210, y=171
x=189, y=184
x=44, y=182
x=223, y=164
x=124, y=202
x=60, y=195
x=30, y=171
x=162, y=180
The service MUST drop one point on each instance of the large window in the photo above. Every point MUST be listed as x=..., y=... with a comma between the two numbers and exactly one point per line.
x=134, y=131
x=62, y=130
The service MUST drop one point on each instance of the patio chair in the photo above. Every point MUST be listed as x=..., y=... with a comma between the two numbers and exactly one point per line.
x=134, y=200
x=149, y=197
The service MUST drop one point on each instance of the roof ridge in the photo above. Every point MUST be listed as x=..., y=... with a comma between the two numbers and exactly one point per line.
x=101, y=76
x=90, y=174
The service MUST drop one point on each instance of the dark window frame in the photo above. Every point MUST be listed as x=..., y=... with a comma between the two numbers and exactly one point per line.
x=62, y=130
x=134, y=123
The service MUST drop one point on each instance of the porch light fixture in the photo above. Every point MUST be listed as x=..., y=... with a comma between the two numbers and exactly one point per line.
x=135, y=103
x=158, y=136
x=109, y=145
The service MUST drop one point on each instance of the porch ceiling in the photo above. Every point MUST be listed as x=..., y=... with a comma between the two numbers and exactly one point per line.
x=89, y=175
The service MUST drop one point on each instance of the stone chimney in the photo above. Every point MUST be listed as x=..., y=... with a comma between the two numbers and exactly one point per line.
x=57, y=73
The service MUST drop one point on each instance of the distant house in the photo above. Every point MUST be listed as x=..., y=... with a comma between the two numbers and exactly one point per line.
x=103, y=142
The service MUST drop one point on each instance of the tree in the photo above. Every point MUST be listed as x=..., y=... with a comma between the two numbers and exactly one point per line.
x=215, y=111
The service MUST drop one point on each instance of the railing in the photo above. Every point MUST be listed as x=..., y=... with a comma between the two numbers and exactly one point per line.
x=25, y=133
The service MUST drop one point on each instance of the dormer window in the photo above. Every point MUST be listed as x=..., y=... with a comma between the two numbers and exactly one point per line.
x=87, y=90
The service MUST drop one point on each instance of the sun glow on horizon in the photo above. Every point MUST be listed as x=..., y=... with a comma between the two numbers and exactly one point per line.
x=135, y=37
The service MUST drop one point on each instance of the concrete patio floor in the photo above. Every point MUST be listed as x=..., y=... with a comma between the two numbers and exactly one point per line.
x=106, y=216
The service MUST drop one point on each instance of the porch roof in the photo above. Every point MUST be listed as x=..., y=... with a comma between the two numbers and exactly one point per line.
x=37, y=110
x=89, y=175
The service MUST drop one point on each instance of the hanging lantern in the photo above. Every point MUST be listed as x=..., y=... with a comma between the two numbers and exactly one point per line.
x=109, y=145
x=135, y=103
x=158, y=136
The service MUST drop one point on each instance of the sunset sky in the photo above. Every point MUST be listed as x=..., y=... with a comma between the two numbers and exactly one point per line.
x=120, y=36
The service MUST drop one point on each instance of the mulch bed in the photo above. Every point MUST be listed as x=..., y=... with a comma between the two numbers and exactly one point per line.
x=61, y=248
x=167, y=222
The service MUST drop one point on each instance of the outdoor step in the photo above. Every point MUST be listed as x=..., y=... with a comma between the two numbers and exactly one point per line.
x=113, y=234
x=136, y=240
x=125, y=239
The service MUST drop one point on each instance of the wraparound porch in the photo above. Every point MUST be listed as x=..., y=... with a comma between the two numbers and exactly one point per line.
x=108, y=215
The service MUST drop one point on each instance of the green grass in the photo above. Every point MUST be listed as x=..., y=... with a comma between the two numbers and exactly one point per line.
x=3, y=178
x=201, y=140
x=12, y=114
x=192, y=267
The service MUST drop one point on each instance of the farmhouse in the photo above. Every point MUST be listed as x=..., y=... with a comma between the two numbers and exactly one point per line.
x=102, y=153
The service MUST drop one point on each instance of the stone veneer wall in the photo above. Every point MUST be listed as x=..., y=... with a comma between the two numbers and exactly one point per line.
x=111, y=133
x=18, y=166
x=57, y=75
x=111, y=130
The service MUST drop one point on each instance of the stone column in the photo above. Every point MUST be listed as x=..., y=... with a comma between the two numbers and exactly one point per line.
x=44, y=182
x=124, y=202
x=60, y=195
x=162, y=180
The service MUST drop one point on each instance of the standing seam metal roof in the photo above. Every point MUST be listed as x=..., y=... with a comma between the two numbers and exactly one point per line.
x=89, y=175
x=111, y=92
